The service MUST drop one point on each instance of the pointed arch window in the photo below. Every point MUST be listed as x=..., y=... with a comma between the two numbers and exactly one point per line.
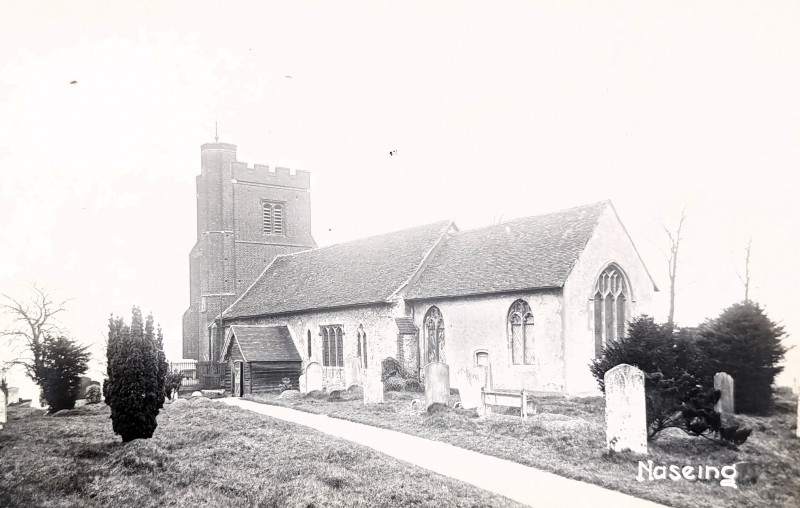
x=520, y=333
x=332, y=346
x=434, y=335
x=309, y=343
x=272, y=218
x=361, y=340
x=610, y=303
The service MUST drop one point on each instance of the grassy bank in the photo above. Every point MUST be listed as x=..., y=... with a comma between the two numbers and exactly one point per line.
x=567, y=437
x=205, y=454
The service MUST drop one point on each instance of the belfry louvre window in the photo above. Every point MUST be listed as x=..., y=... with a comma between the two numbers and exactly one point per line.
x=272, y=218
x=520, y=333
x=610, y=298
x=332, y=346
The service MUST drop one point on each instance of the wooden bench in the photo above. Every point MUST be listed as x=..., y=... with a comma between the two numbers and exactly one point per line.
x=507, y=398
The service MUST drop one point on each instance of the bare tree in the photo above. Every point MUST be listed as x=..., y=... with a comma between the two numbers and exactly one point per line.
x=746, y=279
x=31, y=321
x=672, y=260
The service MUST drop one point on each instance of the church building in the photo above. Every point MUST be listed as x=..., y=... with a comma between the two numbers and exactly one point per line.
x=534, y=299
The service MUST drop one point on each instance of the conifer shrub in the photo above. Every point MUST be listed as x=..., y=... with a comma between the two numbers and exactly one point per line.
x=674, y=394
x=137, y=369
x=63, y=362
x=93, y=394
x=745, y=343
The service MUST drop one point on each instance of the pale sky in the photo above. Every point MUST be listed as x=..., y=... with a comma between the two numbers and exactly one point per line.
x=496, y=110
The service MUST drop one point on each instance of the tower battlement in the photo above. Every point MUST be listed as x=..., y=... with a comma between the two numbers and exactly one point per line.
x=260, y=173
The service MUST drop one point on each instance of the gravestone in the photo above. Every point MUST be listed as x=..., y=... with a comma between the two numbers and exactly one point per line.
x=313, y=377
x=13, y=395
x=437, y=383
x=3, y=404
x=724, y=383
x=301, y=382
x=36, y=401
x=470, y=381
x=626, y=423
x=373, y=386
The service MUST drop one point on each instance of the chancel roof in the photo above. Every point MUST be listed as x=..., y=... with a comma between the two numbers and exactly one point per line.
x=530, y=253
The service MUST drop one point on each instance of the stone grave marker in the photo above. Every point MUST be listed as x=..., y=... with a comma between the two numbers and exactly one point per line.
x=301, y=382
x=3, y=405
x=373, y=386
x=36, y=401
x=313, y=377
x=724, y=383
x=13, y=395
x=626, y=423
x=437, y=383
x=470, y=381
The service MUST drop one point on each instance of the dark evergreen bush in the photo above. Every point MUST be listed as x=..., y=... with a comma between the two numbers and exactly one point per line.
x=137, y=370
x=746, y=344
x=92, y=394
x=63, y=362
x=674, y=396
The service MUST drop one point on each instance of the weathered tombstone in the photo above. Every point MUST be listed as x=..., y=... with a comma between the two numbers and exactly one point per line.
x=36, y=400
x=13, y=395
x=470, y=381
x=626, y=423
x=313, y=377
x=3, y=404
x=437, y=383
x=301, y=383
x=724, y=383
x=373, y=386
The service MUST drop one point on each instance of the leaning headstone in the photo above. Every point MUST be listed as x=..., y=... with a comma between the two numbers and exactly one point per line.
x=313, y=377
x=373, y=386
x=13, y=395
x=724, y=383
x=626, y=423
x=3, y=404
x=470, y=381
x=437, y=383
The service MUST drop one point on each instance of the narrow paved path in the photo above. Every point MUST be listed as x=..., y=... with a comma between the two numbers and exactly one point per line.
x=523, y=484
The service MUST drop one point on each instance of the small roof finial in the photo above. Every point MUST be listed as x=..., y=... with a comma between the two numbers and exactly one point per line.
x=216, y=133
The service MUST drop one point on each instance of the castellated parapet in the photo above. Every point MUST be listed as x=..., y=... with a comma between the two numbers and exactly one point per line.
x=282, y=177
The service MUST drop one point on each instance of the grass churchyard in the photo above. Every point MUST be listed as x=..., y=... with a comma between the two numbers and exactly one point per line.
x=243, y=459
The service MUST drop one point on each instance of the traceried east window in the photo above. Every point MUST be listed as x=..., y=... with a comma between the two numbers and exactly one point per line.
x=520, y=333
x=434, y=335
x=610, y=299
x=332, y=346
x=272, y=218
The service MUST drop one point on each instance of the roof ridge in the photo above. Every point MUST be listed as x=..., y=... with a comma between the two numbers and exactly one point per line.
x=364, y=238
x=528, y=217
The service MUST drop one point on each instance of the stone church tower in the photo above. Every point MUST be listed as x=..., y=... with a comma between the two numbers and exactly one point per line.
x=245, y=217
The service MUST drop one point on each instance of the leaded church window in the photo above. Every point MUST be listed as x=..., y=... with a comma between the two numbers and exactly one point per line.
x=332, y=346
x=434, y=335
x=610, y=299
x=520, y=333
